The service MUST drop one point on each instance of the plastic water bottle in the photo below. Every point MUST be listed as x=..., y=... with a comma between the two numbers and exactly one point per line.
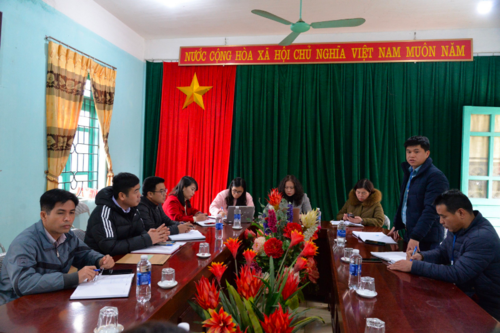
x=319, y=216
x=355, y=270
x=219, y=227
x=341, y=232
x=237, y=217
x=143, y=288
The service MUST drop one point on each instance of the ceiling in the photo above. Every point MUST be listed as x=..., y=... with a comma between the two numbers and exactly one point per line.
x=158, y=19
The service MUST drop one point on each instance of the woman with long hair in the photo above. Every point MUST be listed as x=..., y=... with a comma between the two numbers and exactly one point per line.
x=292, y=191
x=178, y=205
x=363, y=205
x=235, y=195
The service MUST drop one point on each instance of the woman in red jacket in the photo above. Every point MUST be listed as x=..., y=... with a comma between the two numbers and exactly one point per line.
x=178, y=207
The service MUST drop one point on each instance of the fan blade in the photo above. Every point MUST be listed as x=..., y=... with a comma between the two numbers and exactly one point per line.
x=338, y=23
x=270, y=16
x=289, y=39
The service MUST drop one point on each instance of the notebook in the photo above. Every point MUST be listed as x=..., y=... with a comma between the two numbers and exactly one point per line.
x=161, y=249
x=154, y=259
x=191, y=235
x=391, y=257
x=106, y=286
x=374, y=236
x=349, y=224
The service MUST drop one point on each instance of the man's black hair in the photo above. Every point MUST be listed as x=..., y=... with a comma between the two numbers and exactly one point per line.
x=123, y=182
x=421, y=141
x=453, y=200
x=149, y=184
x=49, y=199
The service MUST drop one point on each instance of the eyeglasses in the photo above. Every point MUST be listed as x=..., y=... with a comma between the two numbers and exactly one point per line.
x=162, y=191
x=237, y=192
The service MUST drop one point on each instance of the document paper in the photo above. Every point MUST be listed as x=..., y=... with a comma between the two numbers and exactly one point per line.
x=106, y=286
x=391, y=257
x=191, y=235
x=349, y=224
x=161, y=249
x=374, y=236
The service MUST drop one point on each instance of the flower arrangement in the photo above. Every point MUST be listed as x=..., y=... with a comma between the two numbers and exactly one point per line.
x=260, y=302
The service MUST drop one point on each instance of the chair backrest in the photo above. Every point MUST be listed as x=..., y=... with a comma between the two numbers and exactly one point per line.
x=2, y=256
x=3, y=248
x=82, y=208
x=387, y=222
x=79, y=233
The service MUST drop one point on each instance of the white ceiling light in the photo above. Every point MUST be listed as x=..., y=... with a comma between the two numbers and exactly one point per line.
x=484, y=7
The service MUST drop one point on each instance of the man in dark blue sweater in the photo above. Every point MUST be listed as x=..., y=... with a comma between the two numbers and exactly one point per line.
x=468, y=257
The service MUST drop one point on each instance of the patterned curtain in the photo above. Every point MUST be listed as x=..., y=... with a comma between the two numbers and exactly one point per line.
x=66, y=76
x=103, y=89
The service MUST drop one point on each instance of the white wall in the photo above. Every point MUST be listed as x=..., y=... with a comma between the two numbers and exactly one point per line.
x=484, y=40
x=98, y=20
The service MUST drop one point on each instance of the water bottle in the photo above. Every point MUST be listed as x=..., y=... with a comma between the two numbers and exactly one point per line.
x=355, y=270
x=219, y=226
x=237, y=217
x=341, y=232
x=143, y=288
x=319, y=216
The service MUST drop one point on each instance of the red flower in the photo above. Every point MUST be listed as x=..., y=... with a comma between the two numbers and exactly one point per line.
x=277, y=322
x=218, y=269
x=221, y=322
x=248, y=283
x=310, y=249
x=287, y=232
x=273, y=248
x=233, y=245
x=207, y=294
x=249, y=234
x=275, y=198
x=300, y=264
x=297, y=237
x=315, y=235
x=291, y=285
x=249, y=255
x=312, y=270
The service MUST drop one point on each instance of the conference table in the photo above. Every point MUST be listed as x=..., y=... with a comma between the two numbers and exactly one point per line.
x=405, y=302
x=55, y=312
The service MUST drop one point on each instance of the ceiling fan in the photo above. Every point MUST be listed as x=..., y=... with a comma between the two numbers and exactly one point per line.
x=301, y=26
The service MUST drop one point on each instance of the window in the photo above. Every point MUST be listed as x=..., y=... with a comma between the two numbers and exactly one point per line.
x=81, y=174
x=481, y=160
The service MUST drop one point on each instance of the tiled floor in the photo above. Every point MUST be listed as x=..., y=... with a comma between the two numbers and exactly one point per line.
x=321, y=310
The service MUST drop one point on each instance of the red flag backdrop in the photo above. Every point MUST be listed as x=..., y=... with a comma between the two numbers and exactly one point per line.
x=192, y=141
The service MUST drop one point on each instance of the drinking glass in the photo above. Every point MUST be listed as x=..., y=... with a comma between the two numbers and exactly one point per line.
x=374, y=325
x=108, y=320
x=236, y=224
x=348, y=252
x=204, y=249
x=368, y=284
x=168, y=275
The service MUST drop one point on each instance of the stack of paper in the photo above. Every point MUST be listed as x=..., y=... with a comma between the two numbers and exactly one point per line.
x=374, y=236
x=349, y=224
x=208, y=223
x=191, y=235
x=161, y=249
x=106, y=286
x=391, y=257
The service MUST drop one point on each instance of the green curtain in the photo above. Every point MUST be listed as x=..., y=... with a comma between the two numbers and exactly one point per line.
x=331, y=125
x=154, y=78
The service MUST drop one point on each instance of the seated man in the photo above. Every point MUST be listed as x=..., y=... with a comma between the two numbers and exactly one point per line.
x=154, y=194
x=115, y=226
x=38, y=260
x=468, y=257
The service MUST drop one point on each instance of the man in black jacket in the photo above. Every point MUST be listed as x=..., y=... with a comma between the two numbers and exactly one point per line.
x=422, y=183
x=154, y=194
x=115, y=226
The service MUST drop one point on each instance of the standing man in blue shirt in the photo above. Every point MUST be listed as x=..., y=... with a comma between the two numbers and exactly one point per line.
x=422, y=183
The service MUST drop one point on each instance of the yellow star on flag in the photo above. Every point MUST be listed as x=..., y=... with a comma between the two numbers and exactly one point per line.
x=194, y=93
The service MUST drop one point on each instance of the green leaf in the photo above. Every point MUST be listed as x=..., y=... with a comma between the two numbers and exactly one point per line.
x=199, y=310
x=245, y=321
x=230, y=307
x=257, y=225
x=253, y=318
x=305, y=322
x=293, y=302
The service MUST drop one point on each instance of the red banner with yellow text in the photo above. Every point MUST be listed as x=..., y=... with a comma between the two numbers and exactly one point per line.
x=352, y=52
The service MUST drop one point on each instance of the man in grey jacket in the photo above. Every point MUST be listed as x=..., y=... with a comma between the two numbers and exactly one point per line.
x=468, y=257
x=39, y=258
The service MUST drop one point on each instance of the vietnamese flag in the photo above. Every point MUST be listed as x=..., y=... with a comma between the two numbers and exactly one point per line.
x=192, y=141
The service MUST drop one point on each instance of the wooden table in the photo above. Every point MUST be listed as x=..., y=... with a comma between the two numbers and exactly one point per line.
x=405, y=302
x=54, y=312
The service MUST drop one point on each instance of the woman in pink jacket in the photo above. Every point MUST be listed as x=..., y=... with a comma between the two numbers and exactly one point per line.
x=235, y=195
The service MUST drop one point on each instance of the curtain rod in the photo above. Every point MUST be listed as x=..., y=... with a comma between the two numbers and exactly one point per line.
x=85, y=54
x=162, y=60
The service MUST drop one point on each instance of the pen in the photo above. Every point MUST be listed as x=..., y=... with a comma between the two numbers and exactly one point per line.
x=414, y=251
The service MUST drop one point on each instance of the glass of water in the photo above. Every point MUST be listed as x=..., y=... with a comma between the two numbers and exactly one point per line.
x=168, y=275
x=368, y=284
x=108, y=320
x=204, y=249
x=237, y=224
x=347, y=253
x=374, y=325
